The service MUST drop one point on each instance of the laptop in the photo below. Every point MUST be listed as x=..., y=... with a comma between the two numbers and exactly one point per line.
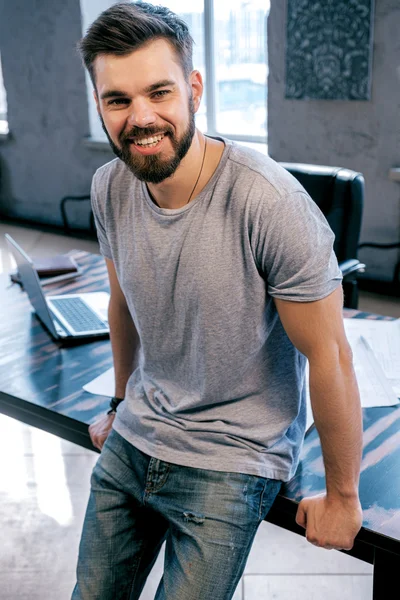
x=66, y=316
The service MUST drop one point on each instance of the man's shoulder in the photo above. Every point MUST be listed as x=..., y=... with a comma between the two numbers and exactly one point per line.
x=113, y=175
x=113, y=169
x=267, y=173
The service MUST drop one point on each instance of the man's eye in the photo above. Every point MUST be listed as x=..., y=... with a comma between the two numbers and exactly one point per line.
x=160, y=93
x=118, y=101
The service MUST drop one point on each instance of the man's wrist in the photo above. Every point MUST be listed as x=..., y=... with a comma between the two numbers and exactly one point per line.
x=114, y=402
x=349, y=496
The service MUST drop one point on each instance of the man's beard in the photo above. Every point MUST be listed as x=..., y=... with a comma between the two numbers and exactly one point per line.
x=152, y=168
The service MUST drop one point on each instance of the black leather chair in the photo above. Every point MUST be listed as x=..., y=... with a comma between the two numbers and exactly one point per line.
x=339, y=193
x=66, y=224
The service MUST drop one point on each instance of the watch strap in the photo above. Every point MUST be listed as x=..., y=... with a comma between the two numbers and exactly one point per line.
x=114, y=402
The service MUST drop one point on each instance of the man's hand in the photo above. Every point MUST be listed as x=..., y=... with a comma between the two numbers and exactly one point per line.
x=99, y=430
x=330, y=523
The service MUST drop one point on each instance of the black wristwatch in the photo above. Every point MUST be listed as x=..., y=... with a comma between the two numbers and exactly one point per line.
x=114, y=403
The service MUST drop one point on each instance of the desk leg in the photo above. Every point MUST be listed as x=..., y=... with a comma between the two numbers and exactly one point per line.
x=386, y=574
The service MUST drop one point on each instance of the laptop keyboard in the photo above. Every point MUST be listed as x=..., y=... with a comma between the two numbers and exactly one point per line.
x=78, y=314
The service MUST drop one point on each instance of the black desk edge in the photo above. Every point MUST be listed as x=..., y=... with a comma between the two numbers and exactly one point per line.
x=65, y=427
x=282, y=513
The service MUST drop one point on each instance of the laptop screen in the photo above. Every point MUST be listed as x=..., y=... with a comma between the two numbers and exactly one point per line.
x=31, y=284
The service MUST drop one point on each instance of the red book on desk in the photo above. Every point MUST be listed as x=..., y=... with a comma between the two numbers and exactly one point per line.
x=52, y=268
x=54, y=265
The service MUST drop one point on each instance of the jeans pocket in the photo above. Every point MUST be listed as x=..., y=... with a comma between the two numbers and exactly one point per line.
x=270, y=491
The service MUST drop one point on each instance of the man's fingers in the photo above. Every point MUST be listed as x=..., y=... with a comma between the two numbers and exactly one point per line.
x=329, y=524
x=95, y=439
x=301, y=515
x=328, y=544
x=94, y=442
x=98, y=441
x=347, y=546
x=100, y=429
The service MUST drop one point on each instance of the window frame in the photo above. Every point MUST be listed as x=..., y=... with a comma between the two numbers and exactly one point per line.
x=3, y=115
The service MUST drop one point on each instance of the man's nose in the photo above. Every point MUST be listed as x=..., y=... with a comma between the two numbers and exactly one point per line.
x=141, y=114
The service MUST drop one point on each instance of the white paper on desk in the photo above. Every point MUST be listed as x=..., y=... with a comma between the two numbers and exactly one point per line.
x=103, y=385
x=375, y=389
x=396, y=386
x=384, y=339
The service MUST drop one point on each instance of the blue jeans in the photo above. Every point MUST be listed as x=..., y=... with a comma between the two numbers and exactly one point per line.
x=207, y=518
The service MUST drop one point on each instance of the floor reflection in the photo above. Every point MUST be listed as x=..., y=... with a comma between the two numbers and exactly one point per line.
x=33, y=466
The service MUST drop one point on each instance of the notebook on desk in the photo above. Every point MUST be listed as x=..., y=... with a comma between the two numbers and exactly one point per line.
x=52, y=269
x=67, y=316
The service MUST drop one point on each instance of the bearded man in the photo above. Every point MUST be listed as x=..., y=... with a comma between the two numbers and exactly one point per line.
x=223, y=281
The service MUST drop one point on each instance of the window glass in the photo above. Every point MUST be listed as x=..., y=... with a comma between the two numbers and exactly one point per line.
x=90, y=10
x=263, y=148
x=3, y=105
x=195, y=21
x=240, y=34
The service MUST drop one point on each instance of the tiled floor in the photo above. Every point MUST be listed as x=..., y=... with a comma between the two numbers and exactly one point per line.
x=44, y=486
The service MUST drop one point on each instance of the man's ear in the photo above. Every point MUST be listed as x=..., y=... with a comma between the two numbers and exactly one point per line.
x=196, y=87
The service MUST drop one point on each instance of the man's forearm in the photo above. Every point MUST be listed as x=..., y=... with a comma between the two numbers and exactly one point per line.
x=125, y=345
x=338, y=419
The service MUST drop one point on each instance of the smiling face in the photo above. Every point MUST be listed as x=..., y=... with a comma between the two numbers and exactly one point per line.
x=147, y=108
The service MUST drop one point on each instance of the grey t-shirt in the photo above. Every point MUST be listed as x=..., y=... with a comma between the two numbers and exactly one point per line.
x=219, y=384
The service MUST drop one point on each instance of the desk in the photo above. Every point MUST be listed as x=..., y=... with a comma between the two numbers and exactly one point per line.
x=41, y=384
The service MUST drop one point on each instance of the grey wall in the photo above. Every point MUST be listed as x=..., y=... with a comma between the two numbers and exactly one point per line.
x=47, y=110
x=360, y=135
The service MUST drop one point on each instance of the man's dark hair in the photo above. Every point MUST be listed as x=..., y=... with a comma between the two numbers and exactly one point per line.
x=125, y=27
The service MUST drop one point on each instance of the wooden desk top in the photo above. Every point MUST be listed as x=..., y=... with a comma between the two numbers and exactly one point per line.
x=41, y=383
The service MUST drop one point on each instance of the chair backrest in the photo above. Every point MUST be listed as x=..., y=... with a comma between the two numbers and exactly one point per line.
x=339, y=193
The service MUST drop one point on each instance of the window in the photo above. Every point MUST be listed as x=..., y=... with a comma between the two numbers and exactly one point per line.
x=240, y=67
x=231, y=53
x=3, y=105
x=90, y=10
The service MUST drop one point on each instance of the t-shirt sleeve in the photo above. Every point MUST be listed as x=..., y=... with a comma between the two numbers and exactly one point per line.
x=294, y=250
x=99, y=220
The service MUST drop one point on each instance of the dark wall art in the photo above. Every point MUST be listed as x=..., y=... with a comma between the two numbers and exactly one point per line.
x=329, y=49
